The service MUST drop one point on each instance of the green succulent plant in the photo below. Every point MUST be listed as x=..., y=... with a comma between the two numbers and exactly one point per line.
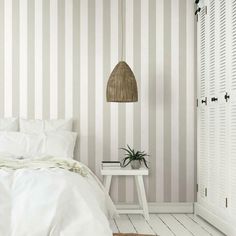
x=132, y=155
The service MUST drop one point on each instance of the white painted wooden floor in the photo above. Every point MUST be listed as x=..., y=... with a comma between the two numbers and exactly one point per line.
x=164, y=225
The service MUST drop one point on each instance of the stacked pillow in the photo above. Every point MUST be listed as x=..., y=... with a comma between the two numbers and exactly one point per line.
x=37, y=138
x=9, y=124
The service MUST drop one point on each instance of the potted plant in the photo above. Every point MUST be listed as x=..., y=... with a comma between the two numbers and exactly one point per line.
x=135, y=158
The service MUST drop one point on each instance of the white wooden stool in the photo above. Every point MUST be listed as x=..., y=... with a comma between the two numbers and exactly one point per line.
x=108, y=172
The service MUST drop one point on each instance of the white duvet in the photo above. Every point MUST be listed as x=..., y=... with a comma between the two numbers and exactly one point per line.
x=52, y=202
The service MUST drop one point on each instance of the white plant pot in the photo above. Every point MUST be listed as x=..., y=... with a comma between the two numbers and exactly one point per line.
x=135, y=164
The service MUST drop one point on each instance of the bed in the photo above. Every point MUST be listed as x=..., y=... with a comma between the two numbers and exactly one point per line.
x=43, y=191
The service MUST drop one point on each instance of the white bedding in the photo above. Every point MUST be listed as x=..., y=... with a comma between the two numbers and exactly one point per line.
x=55, y=202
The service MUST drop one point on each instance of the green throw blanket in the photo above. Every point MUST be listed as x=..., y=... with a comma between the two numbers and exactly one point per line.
x=44, y=162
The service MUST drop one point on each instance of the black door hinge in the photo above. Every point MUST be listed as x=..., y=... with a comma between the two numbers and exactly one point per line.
x=226, y=202
x=197, y=102
x=205, y=192
x=204, y=101
x=197, y=188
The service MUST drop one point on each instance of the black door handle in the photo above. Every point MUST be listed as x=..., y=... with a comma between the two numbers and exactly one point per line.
x=214, y=99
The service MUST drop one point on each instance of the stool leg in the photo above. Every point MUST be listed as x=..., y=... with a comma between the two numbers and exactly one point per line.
x=143, y=196
x=107, y=182
x=138, y=191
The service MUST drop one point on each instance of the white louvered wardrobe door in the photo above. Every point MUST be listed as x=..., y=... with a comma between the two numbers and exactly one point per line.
x=223, y=72
x=222, y=154
x=203, y=56
x=213, y=176
x=202, y=153
x=232, y=161
x=232, y=118
x=213, y=105
x=202, y=109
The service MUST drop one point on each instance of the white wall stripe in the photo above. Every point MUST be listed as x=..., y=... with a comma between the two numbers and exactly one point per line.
x=23, y=58
x=8, y=59
x=38, y=60
x=129, y=106
x=53, y=59
x=99, y=93
x=84, y=81
x=190, y=101
x=159, y=100
x=114, y=106
x=175, y=100
x=144, y=79
x=68, y=58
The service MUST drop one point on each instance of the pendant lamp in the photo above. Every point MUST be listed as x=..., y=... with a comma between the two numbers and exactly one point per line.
x=122, y=85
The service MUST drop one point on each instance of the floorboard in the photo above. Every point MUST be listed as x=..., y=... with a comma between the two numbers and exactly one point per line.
x=190, y=225
x=164, y=225
x=159, y=227
x=124, y=224
x=113, y=226
x=174, y=225
x=140, y=224
x=209, y=228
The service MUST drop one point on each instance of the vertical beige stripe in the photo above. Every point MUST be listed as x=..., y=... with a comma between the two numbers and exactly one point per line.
x=84, y=81
x=8, y=59
x=106, y=71
x=190, y=95
x=15, y=57
x=31, y=59
x=68, y=58
x=61, y=59
x=129, y=106
x=114, y=10
x=122, y=143
x=152, y=100
x=99, y=92
x=46, y=59
x=167, y=100
x=144, y=97
x=38, y=59
x=76, y=71
x=159, y=100
x=121, y=107
x=144, y=90
x=53, y=59
x=137, y=72
x=91, y=85
x=175, y=100
x=182, y=101
x=23, y=9
x=2, y=16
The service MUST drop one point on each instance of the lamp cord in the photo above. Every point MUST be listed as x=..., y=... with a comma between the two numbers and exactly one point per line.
x=122, y=30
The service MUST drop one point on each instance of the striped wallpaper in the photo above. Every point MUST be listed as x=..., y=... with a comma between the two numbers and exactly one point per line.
x=55, y=60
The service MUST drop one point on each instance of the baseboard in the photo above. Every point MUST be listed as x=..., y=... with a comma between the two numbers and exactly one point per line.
x=216, y=221
x=166, y=207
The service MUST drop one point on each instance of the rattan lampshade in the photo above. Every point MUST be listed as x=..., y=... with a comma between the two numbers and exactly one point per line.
x=122, y=86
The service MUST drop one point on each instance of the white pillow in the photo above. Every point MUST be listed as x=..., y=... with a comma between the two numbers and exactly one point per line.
x=60, y=144
x=57, y=144
x=31, y=126
x=58, y=125
x=9, y=124
x=13, y=143
x=21, y=145
x=39, y=126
